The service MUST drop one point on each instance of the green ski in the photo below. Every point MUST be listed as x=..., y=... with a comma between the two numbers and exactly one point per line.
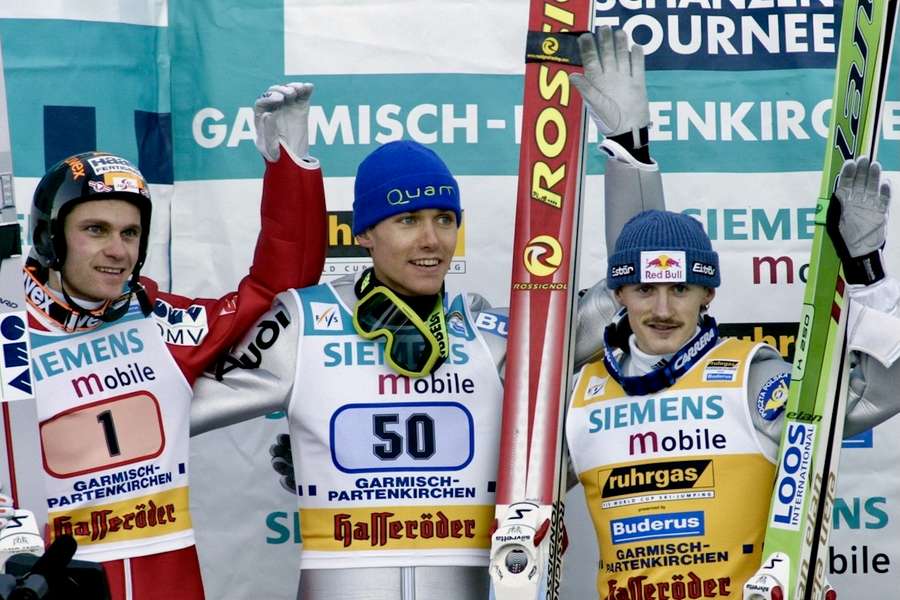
x=795, y=548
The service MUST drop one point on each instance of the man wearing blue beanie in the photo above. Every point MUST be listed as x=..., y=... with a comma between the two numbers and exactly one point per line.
x=675, y=426
x=390, y=380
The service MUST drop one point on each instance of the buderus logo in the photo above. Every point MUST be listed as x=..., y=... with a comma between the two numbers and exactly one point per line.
x=655, y=527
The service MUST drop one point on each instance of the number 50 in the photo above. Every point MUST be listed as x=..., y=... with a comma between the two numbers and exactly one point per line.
x=420, y=444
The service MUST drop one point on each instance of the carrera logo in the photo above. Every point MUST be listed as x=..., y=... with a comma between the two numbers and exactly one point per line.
x=662, y=266
x=622, y=270
x=326, y=317
x=703, y=269
x=655, y=477
x=655, y=527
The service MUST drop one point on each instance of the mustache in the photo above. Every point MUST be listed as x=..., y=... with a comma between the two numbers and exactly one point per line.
x=663, y=322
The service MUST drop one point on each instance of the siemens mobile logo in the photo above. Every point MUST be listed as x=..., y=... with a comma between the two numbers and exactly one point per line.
x=656, y=527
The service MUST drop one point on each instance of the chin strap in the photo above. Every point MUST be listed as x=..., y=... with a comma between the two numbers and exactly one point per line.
x=616, y=336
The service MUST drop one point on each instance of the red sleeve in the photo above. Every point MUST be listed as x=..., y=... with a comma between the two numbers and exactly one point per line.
x=290, y=253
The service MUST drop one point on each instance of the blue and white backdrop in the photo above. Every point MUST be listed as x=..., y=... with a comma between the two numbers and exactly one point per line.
x=740, y=94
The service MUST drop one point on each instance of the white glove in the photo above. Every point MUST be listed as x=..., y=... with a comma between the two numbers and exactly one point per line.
x=864, y=202
x=281, y=115
x=613, y=84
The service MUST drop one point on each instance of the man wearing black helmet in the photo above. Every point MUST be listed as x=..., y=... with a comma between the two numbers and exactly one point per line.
x=114, y=358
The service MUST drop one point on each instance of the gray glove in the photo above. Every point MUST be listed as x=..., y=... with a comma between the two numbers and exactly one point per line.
x=283, y=462
x=281, y=116
x=613, y=84
x=857, y=218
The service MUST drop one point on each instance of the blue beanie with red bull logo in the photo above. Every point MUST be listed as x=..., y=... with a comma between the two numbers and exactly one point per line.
x=658, y=246
x=398, y=177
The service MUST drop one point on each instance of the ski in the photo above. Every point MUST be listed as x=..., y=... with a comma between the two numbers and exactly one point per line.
x=20, y=453
x=796, y=542
x=532, y=465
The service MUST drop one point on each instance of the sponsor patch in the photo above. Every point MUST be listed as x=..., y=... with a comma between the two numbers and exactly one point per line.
x=493, y=323
x=181, y=326
x=773, y=396
x=326, y=316
x=663, y=266
x=124, y=183
x=656, y=527
x=720, y=370
x=456, y=323
x=622, y=270
x=791, y=484
x=109, y=164
x=656, y=477
x=702, y=268
x=99, y=187
x=596, y=387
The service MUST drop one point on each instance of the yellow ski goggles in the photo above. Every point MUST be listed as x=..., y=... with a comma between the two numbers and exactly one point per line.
x=413, y=347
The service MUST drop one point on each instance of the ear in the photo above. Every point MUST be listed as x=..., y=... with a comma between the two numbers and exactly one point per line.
x=710, y=294
x=365, y=240
x=618, y=294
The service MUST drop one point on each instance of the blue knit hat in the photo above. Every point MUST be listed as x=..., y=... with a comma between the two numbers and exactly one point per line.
x=401, y=177
x=658, y=246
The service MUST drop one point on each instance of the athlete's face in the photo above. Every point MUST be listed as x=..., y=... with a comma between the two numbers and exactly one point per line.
x=411, y=251
x=102, y=241
x=663, y=316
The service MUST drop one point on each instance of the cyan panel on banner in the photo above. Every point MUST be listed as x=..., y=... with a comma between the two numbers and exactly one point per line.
x=114, y=68
x=68, y=130
x=153, y=132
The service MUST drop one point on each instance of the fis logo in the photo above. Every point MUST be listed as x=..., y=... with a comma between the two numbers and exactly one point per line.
x=596, y=387
x=773, y=396
x=326, y=317
x=662, y=266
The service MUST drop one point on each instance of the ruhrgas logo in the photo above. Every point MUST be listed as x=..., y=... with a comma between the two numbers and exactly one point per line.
x=543, y=255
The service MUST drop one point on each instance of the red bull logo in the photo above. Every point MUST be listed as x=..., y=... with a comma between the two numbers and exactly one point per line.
x=665, y=266
x=664, y=262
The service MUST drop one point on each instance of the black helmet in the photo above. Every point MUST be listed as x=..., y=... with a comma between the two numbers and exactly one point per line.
x=82, y=178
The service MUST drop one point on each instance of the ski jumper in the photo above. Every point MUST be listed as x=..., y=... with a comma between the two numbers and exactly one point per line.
x=114, y=398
